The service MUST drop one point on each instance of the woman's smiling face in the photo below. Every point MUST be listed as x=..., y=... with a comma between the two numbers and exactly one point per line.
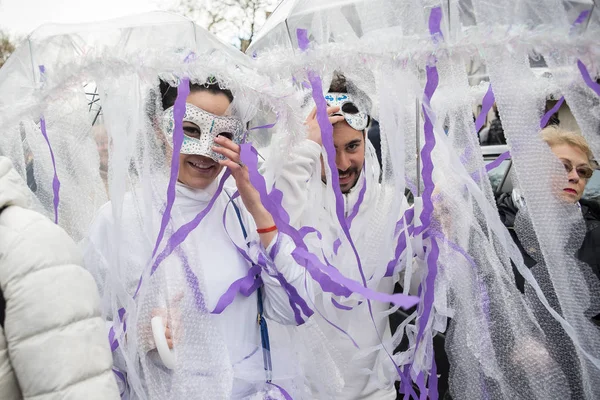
x=197, y=171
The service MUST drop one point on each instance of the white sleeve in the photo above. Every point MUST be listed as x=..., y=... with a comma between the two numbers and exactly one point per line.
x=276, y=300
x=294, y=177
x=52, y=314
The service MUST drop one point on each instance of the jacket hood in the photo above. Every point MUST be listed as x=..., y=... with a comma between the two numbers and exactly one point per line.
x=592, y=208
x=13, y=191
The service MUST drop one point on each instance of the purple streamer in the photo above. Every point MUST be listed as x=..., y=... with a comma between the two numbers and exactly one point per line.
x=303, y=41
x=551, y=112
x=405, y=384
x=581, y=18
x=285, y=394
x=497, y=161
x=178, y=113
x=336, y=245
x=426, y=306
x=486, y=106
x=121, y=376
x=433, y=381
x=245, y=286
x=328, y=277
x=340, y=306
x=193, y=282
x=435, y=24
x=182, y=233
x=305, y=230
x=422, y=386
x=359, y=201
x=55, y=180
x=327, y=141
x=114, y=344
x=268, y=126
x=401, y=245
x=331, y=323
x=430, y=87
x=587, y=78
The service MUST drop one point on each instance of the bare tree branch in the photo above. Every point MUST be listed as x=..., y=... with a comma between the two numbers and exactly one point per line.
x=231, y=20
x=7, y=47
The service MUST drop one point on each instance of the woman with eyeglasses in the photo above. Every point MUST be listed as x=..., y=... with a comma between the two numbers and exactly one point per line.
x=574, y=152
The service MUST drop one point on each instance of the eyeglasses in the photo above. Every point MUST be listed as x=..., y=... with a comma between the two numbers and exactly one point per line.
x=583, y=171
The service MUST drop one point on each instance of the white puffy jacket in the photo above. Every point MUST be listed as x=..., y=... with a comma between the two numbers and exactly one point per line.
x=54, y=344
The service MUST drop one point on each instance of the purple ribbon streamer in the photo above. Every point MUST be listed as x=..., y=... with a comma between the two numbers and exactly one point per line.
x=587, y=78
x=331, y=323
x=340, y=306
x=401, y=244
x=285, y=394
x=268, y=126
x=405, y=384
x=359, y=201
x=305, y=230
x=426, y=306
x=328, y=277
x=182, y=233
x=497, y=161
x=193, y=282
x=183, y=91
x=551, y=112
x=581, y=18
x=327, y=140
x=303, y=41
x=55, y=180
x=121, y=376
x=435, y=24
x=486, y=106
x=428, y=296
x=430, y=87
x=246, y=286
x=249, y=157
x=433, y=381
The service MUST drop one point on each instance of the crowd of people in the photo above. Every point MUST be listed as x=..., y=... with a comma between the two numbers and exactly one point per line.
x=49, y=299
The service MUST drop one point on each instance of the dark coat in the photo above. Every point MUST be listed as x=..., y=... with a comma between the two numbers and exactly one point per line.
x=590, y=249
x=589, y=252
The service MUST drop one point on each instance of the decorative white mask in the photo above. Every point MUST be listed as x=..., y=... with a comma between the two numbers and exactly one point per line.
x=349, y=109
x=210, y=126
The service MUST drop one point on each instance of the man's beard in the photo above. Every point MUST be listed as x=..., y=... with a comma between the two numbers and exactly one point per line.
x=352, y=172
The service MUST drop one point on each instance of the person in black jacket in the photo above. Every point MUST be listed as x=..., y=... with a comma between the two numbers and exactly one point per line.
x=575, y=154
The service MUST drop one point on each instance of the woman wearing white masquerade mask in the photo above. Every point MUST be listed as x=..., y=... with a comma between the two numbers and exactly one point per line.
x=215, y=355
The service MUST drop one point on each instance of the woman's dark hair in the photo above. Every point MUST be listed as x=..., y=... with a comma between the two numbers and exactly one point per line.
x=168, y=93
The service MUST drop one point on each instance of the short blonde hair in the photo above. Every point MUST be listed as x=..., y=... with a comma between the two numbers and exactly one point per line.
x=554, y=135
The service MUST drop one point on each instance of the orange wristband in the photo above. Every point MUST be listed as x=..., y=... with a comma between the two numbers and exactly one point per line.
x=267, y=230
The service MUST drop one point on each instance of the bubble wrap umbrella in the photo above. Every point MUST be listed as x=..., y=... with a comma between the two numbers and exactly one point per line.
x=112, y=185
x=500, y=343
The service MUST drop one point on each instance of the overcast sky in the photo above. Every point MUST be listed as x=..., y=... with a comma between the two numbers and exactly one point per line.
x=21, y=17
